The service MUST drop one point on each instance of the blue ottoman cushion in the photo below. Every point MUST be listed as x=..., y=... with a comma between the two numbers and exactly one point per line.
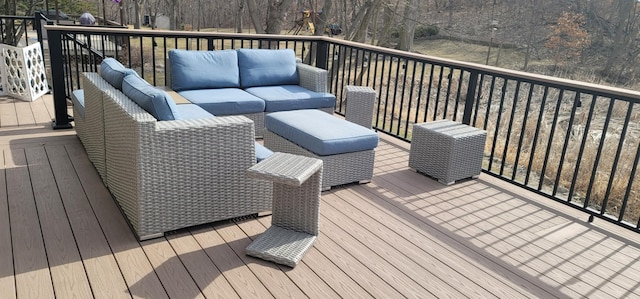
x=292, y=97
x=224, y=101
x=321, y=133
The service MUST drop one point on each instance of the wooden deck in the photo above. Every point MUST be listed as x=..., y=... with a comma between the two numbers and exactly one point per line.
x=402, y=235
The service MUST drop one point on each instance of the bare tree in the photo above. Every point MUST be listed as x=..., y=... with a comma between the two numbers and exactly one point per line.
x=408, y=26
x=623, y=29
x=276, y=10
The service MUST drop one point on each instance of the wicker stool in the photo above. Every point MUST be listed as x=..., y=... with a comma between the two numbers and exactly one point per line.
x=360, y=102
x=296, y=203
x=447, y=151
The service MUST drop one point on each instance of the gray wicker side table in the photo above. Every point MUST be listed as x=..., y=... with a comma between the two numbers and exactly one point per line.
x=360, y=102
x=296, y=204
x=447, y=151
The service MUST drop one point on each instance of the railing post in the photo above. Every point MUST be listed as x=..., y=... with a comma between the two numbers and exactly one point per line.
x=468, y=102
x=57, y=73
x=322, y=54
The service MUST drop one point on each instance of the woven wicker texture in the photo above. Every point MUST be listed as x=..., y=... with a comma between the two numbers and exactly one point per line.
x=447, y=151
x=173, y=174
x=282, y=246
x=312, y=78
x=258, y=122
x=80, y=125
x=360, y=103
x=337, y=169
x=296, y=207
x=93, y=86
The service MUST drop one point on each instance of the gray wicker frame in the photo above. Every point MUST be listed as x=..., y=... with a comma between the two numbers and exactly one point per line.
x=173, y=174
x=338, y=169
x=92, y=132
x=360, y=103
x=447, y=151
x=296, y=205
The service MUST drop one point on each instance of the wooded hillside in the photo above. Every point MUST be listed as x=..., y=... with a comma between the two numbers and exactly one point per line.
x=589, y=40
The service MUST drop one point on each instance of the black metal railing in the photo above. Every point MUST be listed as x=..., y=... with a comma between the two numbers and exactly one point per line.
x=574, y=142
x=15, y=29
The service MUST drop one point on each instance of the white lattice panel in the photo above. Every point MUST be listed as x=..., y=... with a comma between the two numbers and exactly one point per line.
x=22, y=71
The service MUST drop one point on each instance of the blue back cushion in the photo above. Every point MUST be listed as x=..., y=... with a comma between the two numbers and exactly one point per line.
x=155, y=101
x=203, y=69
x=264, y=67
x=113, y=72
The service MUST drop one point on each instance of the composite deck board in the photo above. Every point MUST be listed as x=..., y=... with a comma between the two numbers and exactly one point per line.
x=8, y=116
x=414, y=262
x=370, y=252
x=33, y=279
x=246, y=284
x=172, y=273
x=7, y=276
x=327, y=270
x=278, y=284
x=67, y=270
x=303, y=276
x=100, y=264
x=402, y=235
x=457, y=245
x=136, y=269
x=24, y=113
x=204, y=272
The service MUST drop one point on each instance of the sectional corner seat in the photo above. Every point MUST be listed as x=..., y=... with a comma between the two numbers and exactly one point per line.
x=168, y=166
x=249, y=82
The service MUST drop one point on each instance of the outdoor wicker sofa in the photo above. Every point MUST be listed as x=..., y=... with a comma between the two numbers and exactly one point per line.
x=170, y=174
x=249, y=82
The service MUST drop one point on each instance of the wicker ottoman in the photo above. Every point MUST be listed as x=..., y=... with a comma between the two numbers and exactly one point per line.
x=447, y=151
x=346, y=149
x=296, y=204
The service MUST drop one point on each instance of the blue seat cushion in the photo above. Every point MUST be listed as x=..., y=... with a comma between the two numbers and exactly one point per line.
x=262, y=152
x=155, y=101
x=321, y=133
x=224, y=101
x=113, y=72
x=266, y=67
x=203, y=69
x=192, y=111
x=292, y=97
x=77, y=98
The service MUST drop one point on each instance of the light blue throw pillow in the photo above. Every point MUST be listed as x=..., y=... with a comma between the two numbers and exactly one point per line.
x=265, y=67
x=203, y=69
x=155, y=101
x=113, y=72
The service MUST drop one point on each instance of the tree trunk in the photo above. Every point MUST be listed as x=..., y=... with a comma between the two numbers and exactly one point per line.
x=255, y=16
x=408, y=28
x=389, y=14
x=624, y=10
x=361, y=23
x=275, y=15
x=322, y=18
x=239, y=14
x=136, y=14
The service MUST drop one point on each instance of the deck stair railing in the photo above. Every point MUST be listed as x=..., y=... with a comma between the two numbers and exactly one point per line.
x=574, y=142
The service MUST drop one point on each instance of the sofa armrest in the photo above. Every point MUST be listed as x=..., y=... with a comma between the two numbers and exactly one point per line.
x=312, y=78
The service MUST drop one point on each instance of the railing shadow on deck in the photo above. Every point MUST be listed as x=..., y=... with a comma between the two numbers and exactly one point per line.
x=570, y=141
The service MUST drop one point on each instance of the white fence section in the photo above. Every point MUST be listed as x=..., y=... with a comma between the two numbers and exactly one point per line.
x=22, y=72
